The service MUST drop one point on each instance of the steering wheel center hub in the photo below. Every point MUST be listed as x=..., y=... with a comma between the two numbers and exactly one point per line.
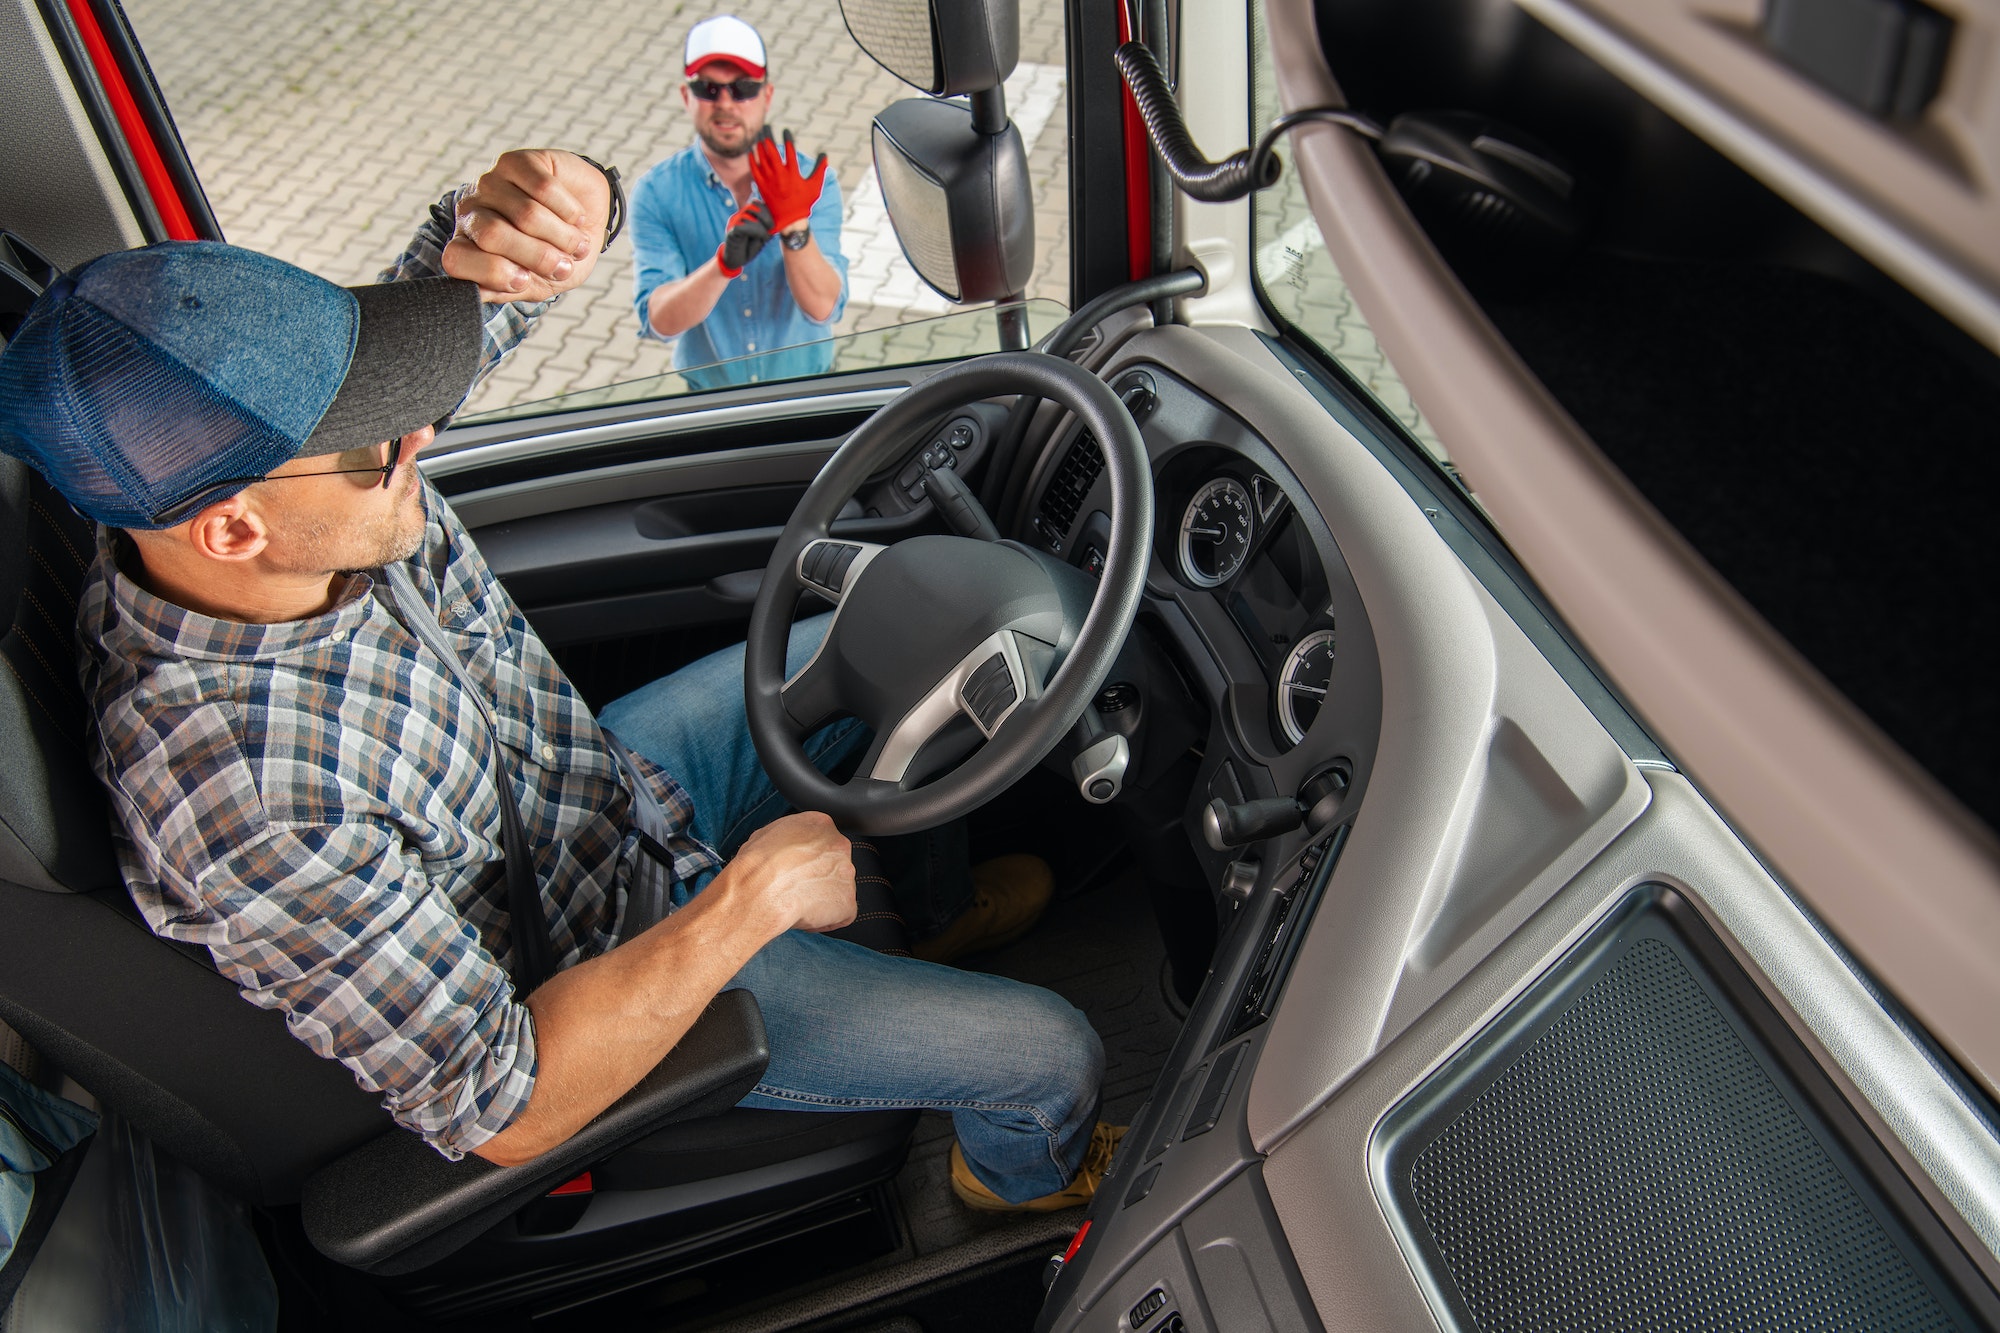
x=925, y=603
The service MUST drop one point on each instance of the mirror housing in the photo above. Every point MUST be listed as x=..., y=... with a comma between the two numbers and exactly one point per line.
x=958, y=197
x=944, y=47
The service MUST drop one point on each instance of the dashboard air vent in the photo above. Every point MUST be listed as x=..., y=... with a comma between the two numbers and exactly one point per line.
x=1068, y=488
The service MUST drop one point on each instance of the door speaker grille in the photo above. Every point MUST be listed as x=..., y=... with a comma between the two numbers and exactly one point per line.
x=1623, y=1152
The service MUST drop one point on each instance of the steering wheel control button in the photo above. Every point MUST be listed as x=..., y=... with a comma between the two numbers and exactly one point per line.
x=988, y=691
x=824, y=566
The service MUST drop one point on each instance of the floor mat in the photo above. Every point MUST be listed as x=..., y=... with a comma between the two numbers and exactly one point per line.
x=1100, y=951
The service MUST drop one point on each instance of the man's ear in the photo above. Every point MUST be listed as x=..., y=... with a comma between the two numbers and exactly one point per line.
x=228, y=530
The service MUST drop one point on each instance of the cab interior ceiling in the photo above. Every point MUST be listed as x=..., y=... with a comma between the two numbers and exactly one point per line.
x=1816, y=432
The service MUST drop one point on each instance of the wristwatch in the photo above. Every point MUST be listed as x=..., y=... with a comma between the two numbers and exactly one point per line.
x=796, y=240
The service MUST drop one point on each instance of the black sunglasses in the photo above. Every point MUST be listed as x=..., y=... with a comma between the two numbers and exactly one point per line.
x=220, y=490
x=707, y=90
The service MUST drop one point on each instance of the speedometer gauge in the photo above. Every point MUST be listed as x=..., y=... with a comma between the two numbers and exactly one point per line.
x=1302, y=685
x=1216, y=531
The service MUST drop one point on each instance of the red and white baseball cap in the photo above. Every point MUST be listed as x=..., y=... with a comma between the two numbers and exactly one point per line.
x=725, y=37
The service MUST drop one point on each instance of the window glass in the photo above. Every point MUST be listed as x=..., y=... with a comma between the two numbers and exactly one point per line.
x=323, y=129
x=949, y=337
x=1297, y=275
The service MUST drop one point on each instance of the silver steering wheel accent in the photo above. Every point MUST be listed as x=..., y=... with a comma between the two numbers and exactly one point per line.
x=836, y=578
x=987, y=685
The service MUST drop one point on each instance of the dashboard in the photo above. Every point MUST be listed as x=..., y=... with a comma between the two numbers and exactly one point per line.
x=1316, y=603
x=1247, y=594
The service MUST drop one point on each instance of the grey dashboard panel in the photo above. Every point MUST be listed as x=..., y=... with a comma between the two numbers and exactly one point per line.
x=1323, y=1180
x=1500, y=822
x=1483, y=786
x=1489, y=783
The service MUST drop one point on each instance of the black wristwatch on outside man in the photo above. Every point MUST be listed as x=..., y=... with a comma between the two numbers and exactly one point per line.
x=796, y=240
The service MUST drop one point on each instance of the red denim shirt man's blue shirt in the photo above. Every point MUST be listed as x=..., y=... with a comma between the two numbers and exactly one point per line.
x=680, y=213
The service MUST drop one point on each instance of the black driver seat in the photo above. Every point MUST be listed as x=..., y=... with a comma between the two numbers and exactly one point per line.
x=159, y=1036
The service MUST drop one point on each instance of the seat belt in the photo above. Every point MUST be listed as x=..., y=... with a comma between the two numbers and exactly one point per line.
x=526, y=920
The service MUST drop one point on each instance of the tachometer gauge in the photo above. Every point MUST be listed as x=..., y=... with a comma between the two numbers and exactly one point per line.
x=1216, y=531
x=1303, y=683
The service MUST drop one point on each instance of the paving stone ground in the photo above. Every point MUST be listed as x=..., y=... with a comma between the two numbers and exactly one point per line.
x=322, y=129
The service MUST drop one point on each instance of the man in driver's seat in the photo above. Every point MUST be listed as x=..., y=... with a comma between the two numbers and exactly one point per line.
x=305, y=789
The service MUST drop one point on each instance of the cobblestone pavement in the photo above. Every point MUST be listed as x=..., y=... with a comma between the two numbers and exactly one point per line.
x=322, y=129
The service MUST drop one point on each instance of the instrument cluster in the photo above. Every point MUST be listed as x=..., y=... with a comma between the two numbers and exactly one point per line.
x=1238, y=538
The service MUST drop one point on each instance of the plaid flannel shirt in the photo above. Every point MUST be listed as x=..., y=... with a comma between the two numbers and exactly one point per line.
x=315, y=803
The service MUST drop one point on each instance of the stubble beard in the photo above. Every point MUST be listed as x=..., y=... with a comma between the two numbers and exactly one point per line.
x=326, y=545
x=725, y=151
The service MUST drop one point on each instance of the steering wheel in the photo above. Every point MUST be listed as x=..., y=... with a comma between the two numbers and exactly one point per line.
x=940, y=642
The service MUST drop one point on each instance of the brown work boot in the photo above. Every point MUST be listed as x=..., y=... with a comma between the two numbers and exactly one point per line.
x=1009, y=895
x=972, y=1192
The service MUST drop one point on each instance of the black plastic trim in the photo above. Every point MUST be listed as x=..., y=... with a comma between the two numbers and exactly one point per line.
x=159, y=120
x=394, y=1205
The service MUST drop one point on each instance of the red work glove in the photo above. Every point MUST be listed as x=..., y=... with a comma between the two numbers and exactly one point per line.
x=790, y=195
x=748, y=231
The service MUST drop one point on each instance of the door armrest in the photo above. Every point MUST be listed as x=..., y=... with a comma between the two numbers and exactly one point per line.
x=394, y=1205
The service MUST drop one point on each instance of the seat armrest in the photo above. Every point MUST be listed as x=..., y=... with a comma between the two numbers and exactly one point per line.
x=394, y=1205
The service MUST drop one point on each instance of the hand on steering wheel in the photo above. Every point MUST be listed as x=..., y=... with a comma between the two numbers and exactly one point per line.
x=941, y=643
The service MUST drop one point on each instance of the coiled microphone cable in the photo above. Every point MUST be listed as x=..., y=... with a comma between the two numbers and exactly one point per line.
x=1238, y=174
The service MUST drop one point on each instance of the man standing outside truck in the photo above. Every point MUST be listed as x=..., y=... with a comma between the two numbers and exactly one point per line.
x=736, y=245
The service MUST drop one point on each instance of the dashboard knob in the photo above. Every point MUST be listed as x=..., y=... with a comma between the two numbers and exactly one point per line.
x=1238, y=879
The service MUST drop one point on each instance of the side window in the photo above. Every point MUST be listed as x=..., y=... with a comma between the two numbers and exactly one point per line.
x=321, y=134
x=1297, y=276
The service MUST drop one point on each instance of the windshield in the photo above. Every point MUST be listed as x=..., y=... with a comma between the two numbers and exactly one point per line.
x=323, y=133
x=944, y=338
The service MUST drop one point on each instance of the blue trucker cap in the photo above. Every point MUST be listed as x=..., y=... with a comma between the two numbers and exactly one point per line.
x=153, y=381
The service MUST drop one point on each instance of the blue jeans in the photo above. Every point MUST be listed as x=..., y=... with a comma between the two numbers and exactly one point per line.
x=1017, y=1066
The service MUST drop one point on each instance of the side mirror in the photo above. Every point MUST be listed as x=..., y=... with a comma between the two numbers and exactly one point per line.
x=957, y=194
x=954, y=177
x=944, y=47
